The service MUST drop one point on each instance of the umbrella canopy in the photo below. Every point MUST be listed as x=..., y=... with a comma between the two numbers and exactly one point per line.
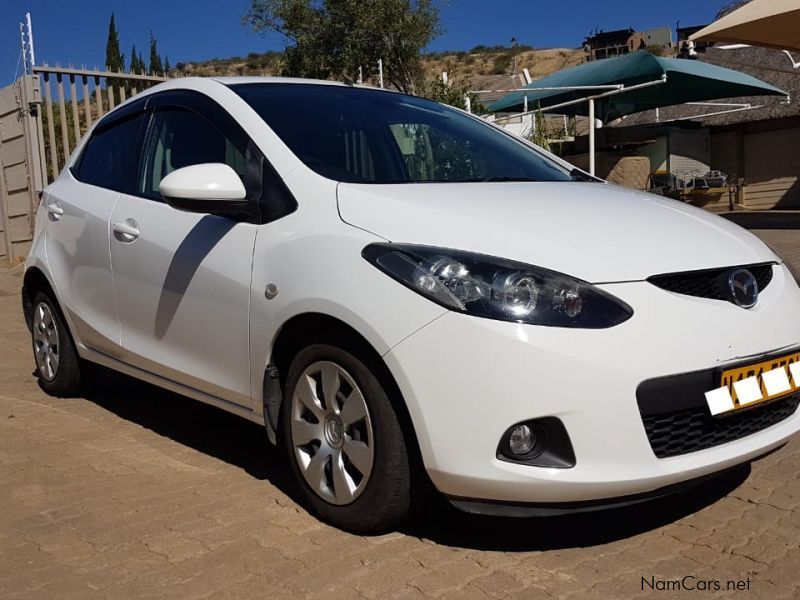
x=769, y=23
x=686, y=81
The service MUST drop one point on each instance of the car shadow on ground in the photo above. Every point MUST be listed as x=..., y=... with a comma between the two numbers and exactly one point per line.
x=244, y=445
x=778, y=219
x=451, y=527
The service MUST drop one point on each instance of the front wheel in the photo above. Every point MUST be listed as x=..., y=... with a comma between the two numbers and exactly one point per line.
x=345, y=442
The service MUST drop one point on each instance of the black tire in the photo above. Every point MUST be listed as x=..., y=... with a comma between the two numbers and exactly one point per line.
x=386, y=499
x=65, y=380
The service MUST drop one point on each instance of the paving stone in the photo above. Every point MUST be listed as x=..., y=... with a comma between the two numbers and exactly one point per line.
x=128, y=495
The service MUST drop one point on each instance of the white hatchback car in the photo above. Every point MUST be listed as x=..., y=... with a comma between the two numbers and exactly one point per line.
x=404, y=294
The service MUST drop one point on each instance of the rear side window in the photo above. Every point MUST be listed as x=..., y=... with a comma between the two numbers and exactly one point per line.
x=109, y=159
x=181, y=138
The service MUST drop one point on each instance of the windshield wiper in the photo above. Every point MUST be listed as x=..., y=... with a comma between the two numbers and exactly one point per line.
x=503, y=178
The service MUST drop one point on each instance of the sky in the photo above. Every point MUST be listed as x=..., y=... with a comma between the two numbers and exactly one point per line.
x=73, y=32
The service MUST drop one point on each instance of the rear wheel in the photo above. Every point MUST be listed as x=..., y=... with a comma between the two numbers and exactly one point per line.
x=57, y=362
x=345, y=442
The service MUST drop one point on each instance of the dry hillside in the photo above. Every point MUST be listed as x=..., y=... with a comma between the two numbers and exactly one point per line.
x=470, y=67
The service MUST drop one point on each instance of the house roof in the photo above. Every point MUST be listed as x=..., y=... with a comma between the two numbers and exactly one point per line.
x=604, y=36
x=499, y=84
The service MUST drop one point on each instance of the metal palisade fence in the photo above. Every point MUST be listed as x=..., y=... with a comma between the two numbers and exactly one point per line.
x=91, y=94
x=42, y=119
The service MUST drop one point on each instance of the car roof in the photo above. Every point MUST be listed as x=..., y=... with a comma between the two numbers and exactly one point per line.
x=269, y=79
x=234, y=80
x=202, y=84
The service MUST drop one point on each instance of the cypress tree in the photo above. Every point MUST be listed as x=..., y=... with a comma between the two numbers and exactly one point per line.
x=136, y=67
x=115, y=61
x=156, y=67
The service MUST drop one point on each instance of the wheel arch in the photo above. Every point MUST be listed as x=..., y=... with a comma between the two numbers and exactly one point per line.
x=33, y=282
x=308, y=328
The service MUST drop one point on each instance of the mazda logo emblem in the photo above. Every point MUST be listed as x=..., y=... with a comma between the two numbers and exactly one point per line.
x=742, y=288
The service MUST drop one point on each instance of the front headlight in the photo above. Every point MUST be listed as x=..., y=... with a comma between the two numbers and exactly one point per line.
x=495, y=288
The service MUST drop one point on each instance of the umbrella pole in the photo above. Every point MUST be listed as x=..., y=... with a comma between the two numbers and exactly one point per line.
x=591, y=137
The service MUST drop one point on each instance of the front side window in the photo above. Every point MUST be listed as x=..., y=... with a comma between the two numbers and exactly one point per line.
x=109, y=159
x=180, y=138
x=369, y=136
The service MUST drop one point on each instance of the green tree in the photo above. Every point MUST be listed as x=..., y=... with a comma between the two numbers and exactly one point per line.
x=136, y=62
x=115, y=61
x=333, y=38
x=453, y=93
x=156, y=66
x=167, y=66
x=729, y=7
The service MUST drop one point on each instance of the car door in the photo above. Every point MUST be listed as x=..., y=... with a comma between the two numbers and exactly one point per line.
x=79, y=206
x=182, y=280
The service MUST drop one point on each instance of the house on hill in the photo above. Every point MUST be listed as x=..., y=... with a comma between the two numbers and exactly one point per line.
x=608, y=44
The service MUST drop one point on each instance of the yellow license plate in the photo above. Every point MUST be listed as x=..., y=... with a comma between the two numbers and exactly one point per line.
x=731, y=376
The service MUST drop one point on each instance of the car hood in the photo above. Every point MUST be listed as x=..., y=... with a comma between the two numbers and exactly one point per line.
x=593, y=231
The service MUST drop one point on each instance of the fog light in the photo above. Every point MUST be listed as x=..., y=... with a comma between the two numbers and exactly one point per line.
x=541, y=442
x=522, y=440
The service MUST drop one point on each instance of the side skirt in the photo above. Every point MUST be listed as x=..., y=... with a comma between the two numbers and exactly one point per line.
x=168, y=384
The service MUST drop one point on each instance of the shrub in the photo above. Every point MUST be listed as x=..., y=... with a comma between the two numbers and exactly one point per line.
x=501, y=64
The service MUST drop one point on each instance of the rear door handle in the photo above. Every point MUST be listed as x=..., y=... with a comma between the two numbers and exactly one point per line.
x=126, y=231
x=55, y=211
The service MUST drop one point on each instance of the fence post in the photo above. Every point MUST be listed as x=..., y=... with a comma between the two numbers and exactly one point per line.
x=40, y=136
x=122, y=92
x=98, y=97
x=110, y=93
x=51, y=127
x=62, y=111
x=76, y=119
x=87, y=110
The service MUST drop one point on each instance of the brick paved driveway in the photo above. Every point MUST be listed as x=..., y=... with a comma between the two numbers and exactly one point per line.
x=138, y=493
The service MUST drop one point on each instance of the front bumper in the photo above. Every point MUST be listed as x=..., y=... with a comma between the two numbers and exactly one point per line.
x=466, y=380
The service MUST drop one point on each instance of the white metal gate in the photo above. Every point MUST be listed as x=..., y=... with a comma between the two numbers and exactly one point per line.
x=21, y=165
x=42, y=118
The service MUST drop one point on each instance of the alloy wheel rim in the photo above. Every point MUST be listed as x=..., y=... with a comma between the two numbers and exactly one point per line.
x=331, y=433
x=45, y=341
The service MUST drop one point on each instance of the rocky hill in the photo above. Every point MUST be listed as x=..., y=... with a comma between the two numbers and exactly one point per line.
x=470, y=67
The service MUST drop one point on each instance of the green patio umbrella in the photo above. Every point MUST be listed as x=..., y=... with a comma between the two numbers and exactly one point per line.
x=661, y=81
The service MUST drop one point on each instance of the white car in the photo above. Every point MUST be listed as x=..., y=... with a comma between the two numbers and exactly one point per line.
x=404, y=294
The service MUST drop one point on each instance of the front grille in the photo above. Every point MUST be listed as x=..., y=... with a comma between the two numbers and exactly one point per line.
x=692, y=429
x=710, y=283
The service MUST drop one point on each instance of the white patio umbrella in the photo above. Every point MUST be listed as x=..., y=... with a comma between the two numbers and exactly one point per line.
x=768, y=23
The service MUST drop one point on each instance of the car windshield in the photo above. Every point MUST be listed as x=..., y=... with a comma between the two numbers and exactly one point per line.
x=358, y=135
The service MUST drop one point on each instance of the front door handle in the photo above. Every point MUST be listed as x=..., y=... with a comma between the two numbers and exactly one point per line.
x=126, y=231
x=55, y=211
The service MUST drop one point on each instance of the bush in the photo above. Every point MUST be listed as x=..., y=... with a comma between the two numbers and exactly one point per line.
x=453, y=94
x=501, y=64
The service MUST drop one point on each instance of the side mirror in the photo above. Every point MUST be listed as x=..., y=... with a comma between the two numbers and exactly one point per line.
x=212, y=188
